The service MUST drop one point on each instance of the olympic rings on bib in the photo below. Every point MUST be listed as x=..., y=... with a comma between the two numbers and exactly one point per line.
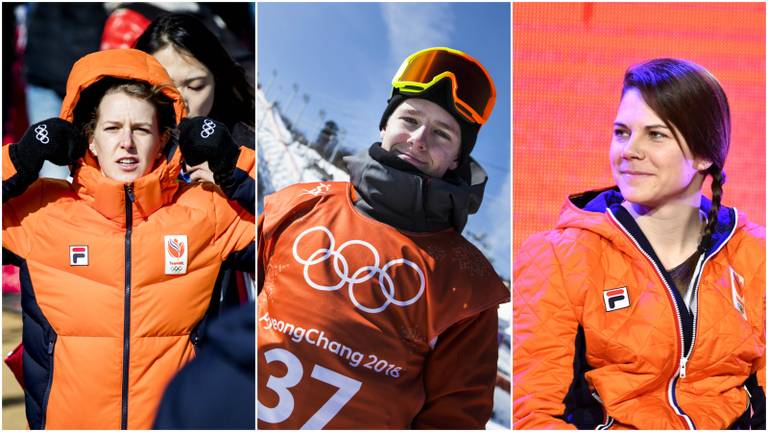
x=208, y=127
x=41, y=133
x=361, y=275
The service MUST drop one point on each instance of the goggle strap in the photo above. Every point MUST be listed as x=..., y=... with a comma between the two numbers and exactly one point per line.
x=465, y=112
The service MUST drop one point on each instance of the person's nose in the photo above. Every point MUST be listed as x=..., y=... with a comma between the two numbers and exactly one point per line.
x=633, y=147
x=185, y=93
x=418, y=138
x=125, y=138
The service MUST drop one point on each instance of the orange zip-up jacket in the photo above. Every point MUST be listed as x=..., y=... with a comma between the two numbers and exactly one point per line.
x=603, y=339
x=115, y=277
x=362, y=326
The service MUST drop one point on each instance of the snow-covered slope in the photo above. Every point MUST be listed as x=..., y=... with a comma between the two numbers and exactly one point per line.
x=282, y=160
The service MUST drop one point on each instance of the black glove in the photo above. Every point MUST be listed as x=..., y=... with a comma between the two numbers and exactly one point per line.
x=54, y=139
x=202, y=139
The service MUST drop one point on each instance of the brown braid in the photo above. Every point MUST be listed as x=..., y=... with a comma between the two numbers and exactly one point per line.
x=718, y=179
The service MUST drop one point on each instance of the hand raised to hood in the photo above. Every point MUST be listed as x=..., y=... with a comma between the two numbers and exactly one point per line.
x=54, y=140
x=202, y=139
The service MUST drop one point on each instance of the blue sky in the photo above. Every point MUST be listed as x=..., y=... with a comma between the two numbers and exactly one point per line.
x=343, y=56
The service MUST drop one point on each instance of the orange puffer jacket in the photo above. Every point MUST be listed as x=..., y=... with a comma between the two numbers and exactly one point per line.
x=115, y=277
x=386, y=330
x=602, y=338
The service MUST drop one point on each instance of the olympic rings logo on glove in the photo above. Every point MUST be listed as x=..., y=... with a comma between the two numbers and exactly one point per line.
x=41, y=133
x=208, y=127
x=362, y=274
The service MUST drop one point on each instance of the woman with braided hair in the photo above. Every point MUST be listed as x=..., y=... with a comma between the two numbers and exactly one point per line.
x=645, y=307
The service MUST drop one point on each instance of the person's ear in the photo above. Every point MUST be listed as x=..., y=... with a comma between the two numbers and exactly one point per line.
x=381, y=132
x=92, y=146
x=702, y=164
x=163, y=141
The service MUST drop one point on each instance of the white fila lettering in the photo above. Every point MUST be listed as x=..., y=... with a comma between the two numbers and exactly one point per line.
x=616, y=298
x=176, y=248
x=78, y=255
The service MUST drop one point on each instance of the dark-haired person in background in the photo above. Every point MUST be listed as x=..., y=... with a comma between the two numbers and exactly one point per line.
x=212, y=83
x=645, y=307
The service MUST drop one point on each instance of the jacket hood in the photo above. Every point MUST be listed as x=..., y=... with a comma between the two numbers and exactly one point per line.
x=118, y=63
x=153, y=189
x=589, y=211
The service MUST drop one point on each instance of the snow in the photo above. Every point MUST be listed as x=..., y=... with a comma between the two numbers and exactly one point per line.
x=283, y=161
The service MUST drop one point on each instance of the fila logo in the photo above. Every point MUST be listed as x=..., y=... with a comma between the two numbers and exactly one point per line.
x=78, y=255
x=175, y=254
x=616, y=298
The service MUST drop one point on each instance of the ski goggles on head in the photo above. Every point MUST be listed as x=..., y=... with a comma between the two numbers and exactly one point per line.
x=473, y=91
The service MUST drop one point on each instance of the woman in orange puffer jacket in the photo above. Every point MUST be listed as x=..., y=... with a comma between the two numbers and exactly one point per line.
x=118, y=267
x=645, y=307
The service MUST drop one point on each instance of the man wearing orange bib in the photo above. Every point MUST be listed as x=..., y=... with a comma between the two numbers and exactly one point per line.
x=374, y=312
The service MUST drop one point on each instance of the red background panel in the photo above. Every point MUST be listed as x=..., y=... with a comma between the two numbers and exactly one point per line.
x=568, y=63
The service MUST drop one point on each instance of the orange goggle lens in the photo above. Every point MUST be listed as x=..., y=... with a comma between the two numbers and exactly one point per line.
x=473, y=91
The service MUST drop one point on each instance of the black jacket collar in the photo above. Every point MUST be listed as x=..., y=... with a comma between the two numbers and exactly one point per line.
x=602, y=199
x=394, y=192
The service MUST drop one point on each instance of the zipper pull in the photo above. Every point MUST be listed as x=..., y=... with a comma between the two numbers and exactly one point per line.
x=683, y=363
x=50, y=347
x=129, y=193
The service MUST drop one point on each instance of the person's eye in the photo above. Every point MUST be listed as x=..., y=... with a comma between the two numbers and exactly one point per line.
x=409, y=120
x=657, y=135
x=196, y=85
x=142, y=130
x=620, y=133
x=442, y=134
x=111, y=128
